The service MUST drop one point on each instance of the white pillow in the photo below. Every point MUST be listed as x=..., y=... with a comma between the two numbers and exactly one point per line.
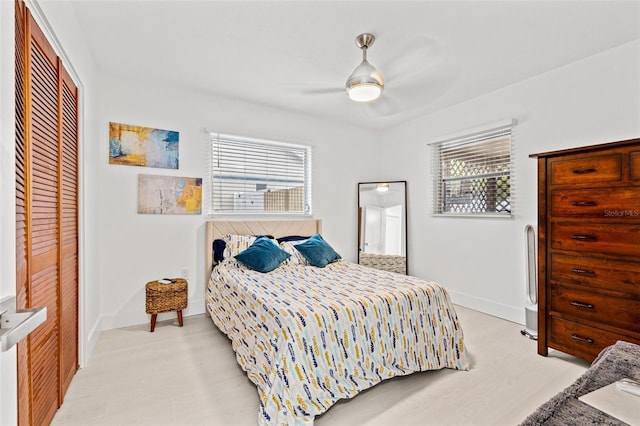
x=236, y=244
x=296, y=257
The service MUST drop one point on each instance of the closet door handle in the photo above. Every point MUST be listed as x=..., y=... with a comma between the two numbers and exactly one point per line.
x=584, y=171
x=582, y=339
x=582, y=271
x=584, y=203
x=582, y=305
x=581, y=237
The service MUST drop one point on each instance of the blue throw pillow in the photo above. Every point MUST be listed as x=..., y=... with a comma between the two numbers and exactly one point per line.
x=289, y=238
x=317, y=251
x=218, y=251
x=263, y=255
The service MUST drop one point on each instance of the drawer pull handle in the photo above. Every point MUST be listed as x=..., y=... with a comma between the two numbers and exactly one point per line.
x=582, y=271
x=583, y=171
x=584, y=203
x=584, y=237
x=581, y=339
x=582, y=305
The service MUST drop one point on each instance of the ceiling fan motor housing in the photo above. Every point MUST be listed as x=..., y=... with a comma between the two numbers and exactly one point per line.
x=365, y=40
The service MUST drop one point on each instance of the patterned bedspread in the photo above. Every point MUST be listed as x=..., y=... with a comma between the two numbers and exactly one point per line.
x=309, y=336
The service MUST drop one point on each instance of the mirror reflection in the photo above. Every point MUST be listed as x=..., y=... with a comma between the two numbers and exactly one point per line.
x=382, y=225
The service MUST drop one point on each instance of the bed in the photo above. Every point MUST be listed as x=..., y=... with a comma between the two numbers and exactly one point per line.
x=309, y=336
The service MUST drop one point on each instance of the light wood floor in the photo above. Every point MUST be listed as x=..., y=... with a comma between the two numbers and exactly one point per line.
x=189, y=376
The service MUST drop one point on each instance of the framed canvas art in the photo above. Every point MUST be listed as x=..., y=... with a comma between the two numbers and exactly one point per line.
x=143, y=146
x=169, y=194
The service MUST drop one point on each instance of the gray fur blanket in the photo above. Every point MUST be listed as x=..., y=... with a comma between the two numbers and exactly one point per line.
x=612, y=364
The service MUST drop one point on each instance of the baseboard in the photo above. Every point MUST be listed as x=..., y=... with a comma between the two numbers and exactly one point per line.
x=90, y=343
x=126, y=319
x=509, y=313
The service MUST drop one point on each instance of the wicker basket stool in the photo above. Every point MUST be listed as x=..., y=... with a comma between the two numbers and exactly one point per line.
x=166, y=298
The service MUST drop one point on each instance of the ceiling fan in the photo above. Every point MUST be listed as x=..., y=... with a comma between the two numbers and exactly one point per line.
x=404, y=73
x=365, y=83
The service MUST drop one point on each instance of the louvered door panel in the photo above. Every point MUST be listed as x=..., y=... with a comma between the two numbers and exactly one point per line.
x=69, y=233
x=43, y=102
x=21, y=168
x=44, y=347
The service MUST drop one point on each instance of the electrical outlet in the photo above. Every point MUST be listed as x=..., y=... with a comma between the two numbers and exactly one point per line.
x=184, y=273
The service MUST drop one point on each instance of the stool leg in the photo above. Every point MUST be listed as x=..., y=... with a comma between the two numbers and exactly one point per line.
x=180, y=317
x=153, y=321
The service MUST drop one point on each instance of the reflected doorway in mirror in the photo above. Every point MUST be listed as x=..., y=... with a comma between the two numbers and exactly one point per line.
x=382, y=225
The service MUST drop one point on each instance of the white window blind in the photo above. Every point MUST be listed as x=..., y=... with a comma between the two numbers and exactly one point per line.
x=473, y=173
x=258, y=176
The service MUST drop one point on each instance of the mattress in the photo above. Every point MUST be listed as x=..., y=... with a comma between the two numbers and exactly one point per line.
x=308, y=337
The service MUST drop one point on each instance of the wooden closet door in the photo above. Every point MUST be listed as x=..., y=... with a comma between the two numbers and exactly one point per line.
x=46, y=222
x=68, y=228
x=42, y=102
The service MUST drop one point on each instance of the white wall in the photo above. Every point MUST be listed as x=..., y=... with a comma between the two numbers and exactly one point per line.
x=8, y=398
x=481, y=260
x=136, y=248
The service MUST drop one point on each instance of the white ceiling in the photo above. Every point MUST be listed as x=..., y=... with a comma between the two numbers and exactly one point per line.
x=433, y=54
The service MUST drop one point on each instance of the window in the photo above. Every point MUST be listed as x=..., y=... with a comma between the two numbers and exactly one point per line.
x=254, y=176
x=473, y=173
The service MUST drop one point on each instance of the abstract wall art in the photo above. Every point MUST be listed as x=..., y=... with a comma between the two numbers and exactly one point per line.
x=169, y=195
x=143, y=146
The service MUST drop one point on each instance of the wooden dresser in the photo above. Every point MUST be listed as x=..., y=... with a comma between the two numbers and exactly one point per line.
x=589, y=248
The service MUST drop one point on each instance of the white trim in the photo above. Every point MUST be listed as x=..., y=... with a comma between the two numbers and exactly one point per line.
x=507, y=312
x=83, y=351
x=256, y=216
x=8, y=359
x=211, y=134
x=235, y=138
x=43, y=23
x=138, y=317
x=475, y=216
x=490, y=127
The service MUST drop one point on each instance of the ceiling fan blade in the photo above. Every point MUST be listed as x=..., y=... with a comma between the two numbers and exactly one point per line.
x=322, y=90
x=411, y=98
x=314, y=90
x=385, y=106
x=415, y=57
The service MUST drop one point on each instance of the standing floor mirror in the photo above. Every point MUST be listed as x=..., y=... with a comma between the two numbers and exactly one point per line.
x=382, y=225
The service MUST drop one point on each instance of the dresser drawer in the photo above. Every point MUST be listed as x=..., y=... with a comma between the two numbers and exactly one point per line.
x=579, y=339
x=613, y=239
x=634, y=168
x=602, y=168
x=597, y=273
x=618, y=203
x=614, y=311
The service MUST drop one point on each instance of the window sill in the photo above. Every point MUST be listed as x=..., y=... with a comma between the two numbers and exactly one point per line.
x=261, y=215
x=479, y=216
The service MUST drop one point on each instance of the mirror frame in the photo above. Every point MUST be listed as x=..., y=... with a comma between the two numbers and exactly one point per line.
x=360, y=219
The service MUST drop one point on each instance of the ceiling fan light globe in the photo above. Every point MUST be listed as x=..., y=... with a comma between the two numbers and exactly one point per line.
x=365, y=83
x=364, y=92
